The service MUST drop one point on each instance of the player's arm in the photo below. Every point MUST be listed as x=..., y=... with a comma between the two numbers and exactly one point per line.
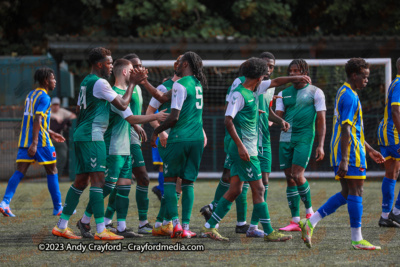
x=289, y=79
x=205, y=138
x=375, y=155
x=320, y=107
x=344, y=144
x=280, y=107
x=157, y=94
x=163, y=135
x=278, y=120
x=35, y=135
x=56, y=136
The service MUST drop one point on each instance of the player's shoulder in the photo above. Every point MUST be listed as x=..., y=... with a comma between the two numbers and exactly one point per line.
x=167, y=84
x=43, y=96
x=288, y=90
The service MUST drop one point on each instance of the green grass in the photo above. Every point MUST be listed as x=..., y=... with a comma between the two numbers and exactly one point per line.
x=20, y=236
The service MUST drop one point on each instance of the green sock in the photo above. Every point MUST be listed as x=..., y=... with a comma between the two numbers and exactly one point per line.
x=122, y=201
x=71, y=201
x=108, y=187
x=262, y=212
x=97, y=203
x=161, y=213
x=305, y=194
x=224, y=206
x=142, y=201
x=187, y=202
x=241, y=204
x=112, y=204
x=171, y=200
x=254, y=216
x=266, y=193
x=222, y=188
x=294, y=200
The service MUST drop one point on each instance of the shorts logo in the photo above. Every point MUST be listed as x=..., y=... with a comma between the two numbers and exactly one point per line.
x=54, y=154
x=93, y=162
x=249, y=172
x=165, y=169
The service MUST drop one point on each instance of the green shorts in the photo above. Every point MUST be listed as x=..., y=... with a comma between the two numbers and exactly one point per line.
x=182, y=159
x=265, y=158
x=228, y=162
x=297, y=153
x=137, y=156
x=90, y=156
x=246, y=170
x=118, y=167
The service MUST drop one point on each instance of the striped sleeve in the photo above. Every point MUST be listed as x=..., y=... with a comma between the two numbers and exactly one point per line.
x=347, y=108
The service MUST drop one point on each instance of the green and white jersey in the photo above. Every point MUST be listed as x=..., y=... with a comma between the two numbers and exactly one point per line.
x=136, y=107
x=300, y=107
x=187, y=96
x=117, y=135
x=264, y=101
x=94, y=97
x=243, y=108
x=164, y=87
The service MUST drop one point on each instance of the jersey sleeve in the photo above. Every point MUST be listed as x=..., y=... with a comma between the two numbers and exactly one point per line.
x=42, y=105
x=396, y=95
x=102, y=90
x=263, y=87
x=347, y=109
x=319, y=100
x=154, y=102
x=179, y=95
x=236, y=104
x=279, y=103
x=123, y=113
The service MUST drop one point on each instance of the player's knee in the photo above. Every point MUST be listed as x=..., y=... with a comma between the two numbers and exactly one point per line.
x=291, y=182
x=226, y=176
x=52, y=170
x=81, y=185
x=142, y=178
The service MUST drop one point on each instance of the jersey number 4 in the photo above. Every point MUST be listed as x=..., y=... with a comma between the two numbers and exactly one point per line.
x=199, y=96
x=82, y=97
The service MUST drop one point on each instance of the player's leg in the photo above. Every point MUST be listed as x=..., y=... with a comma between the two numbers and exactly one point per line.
x=253, y=230
x=178, y=189
x=158, y=190
x=54, y=188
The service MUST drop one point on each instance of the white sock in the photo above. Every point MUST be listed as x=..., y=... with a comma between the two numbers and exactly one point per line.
x=121, y=226
x=175, y=222
x=385, y=215
x=253, y=227
x=309, y=210
x=240, y=223
x=211, y=206
x=100, y=227
x=315, y=218
x=62, y=224
x=165, y=222
x=217, y=226
x=141, y=223
x=157, y=224
x=207, y=225
x=396, y=211
x=107, y=221
x=85, y=219
x=185, y=226
x=356, y=234
x=296, y=219
x=4, y=204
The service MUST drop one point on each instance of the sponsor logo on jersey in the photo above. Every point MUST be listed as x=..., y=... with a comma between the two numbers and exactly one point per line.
x=289, y=96
x=250, y=101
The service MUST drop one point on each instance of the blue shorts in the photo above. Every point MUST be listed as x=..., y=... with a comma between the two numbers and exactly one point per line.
x=44, y=155
x=352, y=173
x=156, y=155
x=390, y=152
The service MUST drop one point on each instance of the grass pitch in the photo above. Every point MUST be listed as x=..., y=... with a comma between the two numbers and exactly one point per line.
x=20, y=236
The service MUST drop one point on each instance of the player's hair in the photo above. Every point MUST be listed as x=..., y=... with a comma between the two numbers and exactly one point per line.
x=301, y=64
x=98, y=54
x=268, y=55
x=42, y=74
x=119, y=65
x=196, y=65
x=254, y=68
x=131, y=56
x=355, y=65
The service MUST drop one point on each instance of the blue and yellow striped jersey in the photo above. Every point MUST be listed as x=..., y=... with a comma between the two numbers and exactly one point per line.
x=387, y=133
x=37, y=102
x=348, y=110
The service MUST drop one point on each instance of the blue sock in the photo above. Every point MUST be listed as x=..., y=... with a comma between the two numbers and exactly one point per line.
x=388, y=186
x=355, y=208
x=397, y=205
x=333, y=203
x=54, y=189
x=160, y=185
x=12, y=186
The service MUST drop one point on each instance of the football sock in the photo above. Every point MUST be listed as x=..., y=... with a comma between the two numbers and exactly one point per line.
x=12, y=186
x=171, y=200
x=253, y=227
x=86, y=218
x=388, y=186
x=71, y=201
x=305, y=195
x=142, y=201
x=294, y=200
x=396, y=209
x=222, y=209
x=157, y=224
x=187, y=202
x=309, y=210
x=240, y=223
x=315, y=218
x=185, y=226
x=266, y=193
x=175, y=222
x=107, y=189
x=332, y=204
x=97, y=203
x=355, y=209
x=241, y=204
x=107, y=221
x=142, y=223
x=165, y=222
x=100, y=226
x=54, y=189
x=122, y=202
x=296, y=219
x=62, y=223
x=222, y=188
x=161, y=212
x=121, y=225
x=160, y=185
x=356, y=234
x=262, y=212
x=112, y=205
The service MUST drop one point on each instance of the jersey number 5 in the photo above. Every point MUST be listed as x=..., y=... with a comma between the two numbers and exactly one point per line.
x=199, y=95
x=82, y=97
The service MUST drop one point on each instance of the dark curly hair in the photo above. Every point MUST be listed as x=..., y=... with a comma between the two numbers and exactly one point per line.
x=42, y=74
x=131, y=56
x=196, y=65
x=253, y=68
x=267, y=55
x=97, y=54
x=301, y=64
x=355, y=65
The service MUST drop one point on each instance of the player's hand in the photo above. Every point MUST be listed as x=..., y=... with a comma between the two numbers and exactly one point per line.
x=163, y=138
x=275, y=97
x=57, y=137
x=243, y=154
x=153, y=140
x=205, y=138
x=343, y=167
x=285, y=126
x=138, y=75
x=161, y=116
x=261, y=111
x=304, y=78
x=319, y=153
x=32, y=150
x=141, y=132
x=376, y=156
